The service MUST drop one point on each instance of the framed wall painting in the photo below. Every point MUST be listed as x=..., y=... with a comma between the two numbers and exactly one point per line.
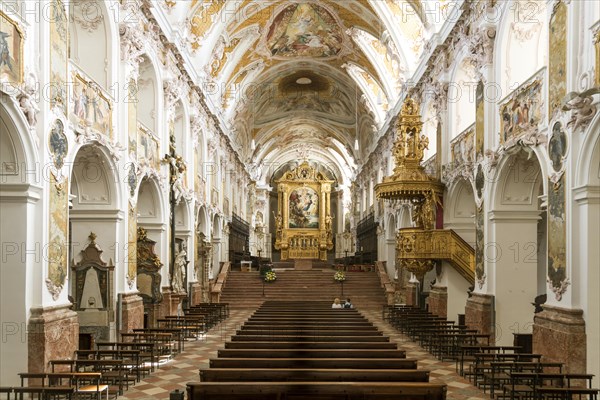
x=11, y=50
x=90, y=106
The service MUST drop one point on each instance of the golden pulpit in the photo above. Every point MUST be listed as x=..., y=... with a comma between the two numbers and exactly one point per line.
x=303, y=222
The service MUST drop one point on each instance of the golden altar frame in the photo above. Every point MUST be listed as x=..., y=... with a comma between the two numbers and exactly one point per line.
x=303, y=223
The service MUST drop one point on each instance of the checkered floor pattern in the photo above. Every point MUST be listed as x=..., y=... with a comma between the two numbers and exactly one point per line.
x=184, y=367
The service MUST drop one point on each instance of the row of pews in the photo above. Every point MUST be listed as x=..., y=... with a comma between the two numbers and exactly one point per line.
x=109, y=369
x=507, y=372
x=291, y=350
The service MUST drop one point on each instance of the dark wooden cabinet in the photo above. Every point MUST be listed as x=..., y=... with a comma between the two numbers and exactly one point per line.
x=525, y=340
x=239, y=240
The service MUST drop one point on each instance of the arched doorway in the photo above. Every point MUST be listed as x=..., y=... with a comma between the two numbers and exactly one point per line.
x=459, y=215
x=94, y=217
x=21, y=282
x=151, y=217
x=516, y=228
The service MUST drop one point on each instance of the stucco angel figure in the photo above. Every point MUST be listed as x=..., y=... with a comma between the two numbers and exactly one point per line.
x=582, y=106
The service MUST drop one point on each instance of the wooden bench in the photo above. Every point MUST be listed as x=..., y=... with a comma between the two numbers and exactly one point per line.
x=306, y=332
x=114, y=373
x=81, y=383
x=176, y=333
x=311, y=353
x=337, y=327
x=359, y=363
x=43, y=392
x=311, y=345
x=312, y=375
x=321, y=390
x=308, y=338
x=565, y=393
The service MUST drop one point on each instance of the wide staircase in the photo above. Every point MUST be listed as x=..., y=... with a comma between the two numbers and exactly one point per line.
x=245, y=289
x=286, y=351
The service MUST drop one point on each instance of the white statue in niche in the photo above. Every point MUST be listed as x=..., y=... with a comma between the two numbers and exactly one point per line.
x=91, y=297
x=179, y=272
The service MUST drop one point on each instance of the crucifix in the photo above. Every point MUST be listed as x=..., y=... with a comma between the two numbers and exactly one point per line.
x=176, y=169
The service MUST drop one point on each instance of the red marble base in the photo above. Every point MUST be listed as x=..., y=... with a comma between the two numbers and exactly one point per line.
x=478, y=314
x=438, y=301
x=53, y=333
x=195, y=294
x=165, y=305
x=410, y=291
x=132, y=312
x=559, y=336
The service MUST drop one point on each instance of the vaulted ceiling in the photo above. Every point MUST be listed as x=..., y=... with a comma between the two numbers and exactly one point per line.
x=307, y=79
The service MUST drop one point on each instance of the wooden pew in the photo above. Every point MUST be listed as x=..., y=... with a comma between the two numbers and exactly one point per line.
x=358, y=363
x=42, y=393
x=308, y=338
x=311, y=345
x=311, y=353
x=306, y=332
x=78, y=383
x=312, y=375
x=311, y=327
x=324, y=390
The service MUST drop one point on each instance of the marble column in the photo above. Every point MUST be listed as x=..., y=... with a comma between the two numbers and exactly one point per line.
x=559, y=336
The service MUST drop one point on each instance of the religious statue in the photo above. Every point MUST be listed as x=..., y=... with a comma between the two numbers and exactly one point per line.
x=177, y=168
x=328, y=220
x=279, y=225
x=428, y=211
x=179, y=272
x=417, y=215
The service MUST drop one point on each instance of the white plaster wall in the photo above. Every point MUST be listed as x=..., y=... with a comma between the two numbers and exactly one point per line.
x=515, y=271
x=457, y=287
x=16, y=220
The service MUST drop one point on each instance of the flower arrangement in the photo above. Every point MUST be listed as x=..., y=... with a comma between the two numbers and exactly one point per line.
x=339, y=276
x=270, y=276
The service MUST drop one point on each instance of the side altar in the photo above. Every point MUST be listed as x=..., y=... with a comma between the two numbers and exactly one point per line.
x=303, y=221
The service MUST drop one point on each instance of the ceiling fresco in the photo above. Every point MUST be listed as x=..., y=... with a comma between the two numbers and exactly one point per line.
x=304, y=30
x=295, y=73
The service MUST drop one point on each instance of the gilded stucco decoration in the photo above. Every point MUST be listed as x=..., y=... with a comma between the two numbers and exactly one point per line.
x=59, y=48
x=557, y=62
x=57, y=236
x=132, y=246
x=557, y=239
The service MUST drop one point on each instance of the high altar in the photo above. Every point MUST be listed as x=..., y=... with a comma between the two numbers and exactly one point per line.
x=303, y=221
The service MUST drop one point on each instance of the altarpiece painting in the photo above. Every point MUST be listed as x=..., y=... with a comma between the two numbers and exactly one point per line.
x=303, y=220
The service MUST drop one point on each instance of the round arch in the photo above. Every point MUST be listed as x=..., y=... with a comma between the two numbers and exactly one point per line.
x=516, y=234
x=585, y=250
x=21, y=274
x=202, y=225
